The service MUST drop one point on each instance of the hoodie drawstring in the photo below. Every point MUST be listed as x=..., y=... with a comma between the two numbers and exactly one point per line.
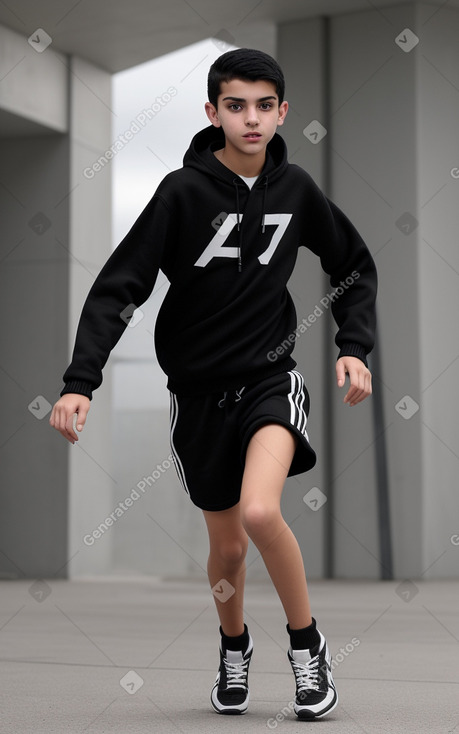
x=239, y=258
x=238, y=218
x=232, y=396
x=265, y=190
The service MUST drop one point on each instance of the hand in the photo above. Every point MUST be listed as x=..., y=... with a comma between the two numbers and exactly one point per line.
x=63, y=411
x=359, y=376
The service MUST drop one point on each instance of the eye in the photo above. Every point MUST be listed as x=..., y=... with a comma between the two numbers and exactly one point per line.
x=266, y=105
x=234, y=107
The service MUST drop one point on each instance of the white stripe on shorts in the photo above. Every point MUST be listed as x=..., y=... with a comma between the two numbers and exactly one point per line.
x=298, y=417
x=178, y=463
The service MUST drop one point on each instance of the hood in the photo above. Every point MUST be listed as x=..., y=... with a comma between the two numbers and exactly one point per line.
x=200, y=155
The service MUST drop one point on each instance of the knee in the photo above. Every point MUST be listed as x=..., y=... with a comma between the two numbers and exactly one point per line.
x=259, y=520
x=230, y=552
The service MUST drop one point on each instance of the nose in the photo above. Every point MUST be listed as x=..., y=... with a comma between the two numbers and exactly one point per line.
x=251, y=116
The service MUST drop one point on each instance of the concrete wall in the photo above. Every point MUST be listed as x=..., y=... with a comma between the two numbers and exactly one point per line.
x=374, y=179
x=393, y=140
x=33, y=295
x=438, y=272
x=55, y=235
x=91, y=479
x=391, y=145
x=43, y=75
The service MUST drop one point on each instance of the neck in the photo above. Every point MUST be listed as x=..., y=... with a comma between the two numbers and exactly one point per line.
x=248, y=166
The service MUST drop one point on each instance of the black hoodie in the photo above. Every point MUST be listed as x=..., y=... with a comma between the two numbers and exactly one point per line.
x=228, y=251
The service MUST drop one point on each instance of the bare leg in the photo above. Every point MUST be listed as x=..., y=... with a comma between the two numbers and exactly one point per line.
x=228, y=547
x=268, y=459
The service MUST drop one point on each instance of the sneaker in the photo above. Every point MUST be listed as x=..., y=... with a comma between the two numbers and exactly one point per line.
x=230, y=694
x=316, y=694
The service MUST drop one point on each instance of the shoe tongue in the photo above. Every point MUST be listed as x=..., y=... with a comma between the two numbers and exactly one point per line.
x=234, y=656
x=302, y=656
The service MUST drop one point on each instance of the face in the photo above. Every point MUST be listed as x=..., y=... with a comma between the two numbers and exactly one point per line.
x=249, y=113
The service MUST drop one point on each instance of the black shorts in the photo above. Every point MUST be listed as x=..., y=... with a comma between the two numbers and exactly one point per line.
x=210, y=434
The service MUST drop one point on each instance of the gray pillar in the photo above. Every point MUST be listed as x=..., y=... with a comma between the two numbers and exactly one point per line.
x=34, y=150
x=438, y=193
x=301, y=53
x=395, y=102
x=91, y=478
x=55, y=235
x=392, y=142
x=33, y=296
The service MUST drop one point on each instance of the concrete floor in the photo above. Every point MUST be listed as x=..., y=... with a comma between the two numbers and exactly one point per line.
x=141, y=655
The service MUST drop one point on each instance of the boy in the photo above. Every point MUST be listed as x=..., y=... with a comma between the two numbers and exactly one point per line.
x=225, y=230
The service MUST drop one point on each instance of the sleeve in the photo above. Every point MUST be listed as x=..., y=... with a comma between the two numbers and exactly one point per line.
x=124, y=283
x=347, y=260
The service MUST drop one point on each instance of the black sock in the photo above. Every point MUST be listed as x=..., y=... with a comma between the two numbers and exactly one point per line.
x=240, y=642
x=305, y=638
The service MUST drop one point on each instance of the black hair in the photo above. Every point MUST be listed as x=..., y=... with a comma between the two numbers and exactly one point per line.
x=247, y=64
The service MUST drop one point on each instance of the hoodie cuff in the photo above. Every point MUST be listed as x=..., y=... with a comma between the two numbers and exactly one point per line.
x=353, y=350
x=78, y=386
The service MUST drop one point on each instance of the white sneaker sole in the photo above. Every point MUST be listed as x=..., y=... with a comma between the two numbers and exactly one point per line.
x=308, y=714
x=231, y=710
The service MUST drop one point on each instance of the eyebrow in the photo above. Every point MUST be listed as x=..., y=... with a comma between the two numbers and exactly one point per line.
x=241, y=99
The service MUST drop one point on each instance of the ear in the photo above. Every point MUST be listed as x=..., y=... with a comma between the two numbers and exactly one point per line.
x=211, y=112
x=283, y=109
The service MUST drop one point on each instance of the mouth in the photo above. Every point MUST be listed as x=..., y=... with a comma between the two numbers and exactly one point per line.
x=252, y=136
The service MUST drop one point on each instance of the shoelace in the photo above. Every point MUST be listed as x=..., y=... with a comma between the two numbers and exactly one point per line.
x=236, y=673
x=307, y=675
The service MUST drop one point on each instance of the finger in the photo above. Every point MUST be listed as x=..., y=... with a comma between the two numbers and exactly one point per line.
x=69, y=437
x=59, y=423
x=65, y=434
x=360, y=394
x=356, y=391
x=353, y=387
x=63, y=421
x=54, y=418
x=62, y=426
x=353, y=395
x=81, y=419
x=357, y=398
x=70, y=425
x=340, y=373
x=367, y=387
